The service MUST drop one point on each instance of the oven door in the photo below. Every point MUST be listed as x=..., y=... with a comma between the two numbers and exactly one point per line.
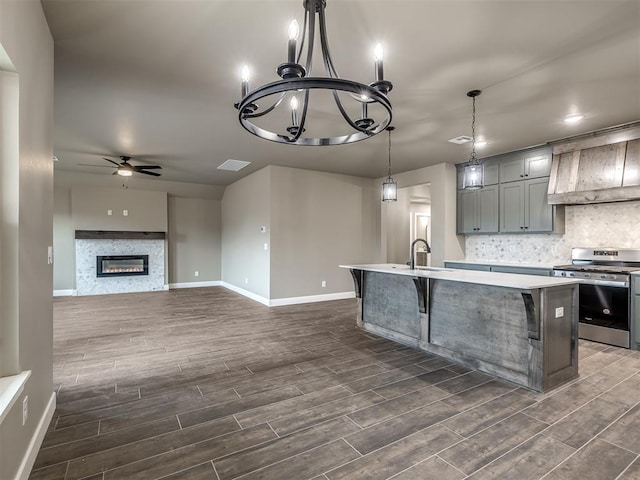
x=604, y=313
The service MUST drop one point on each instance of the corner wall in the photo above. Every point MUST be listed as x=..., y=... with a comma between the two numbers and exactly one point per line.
x=319, y=221
x=445, y=244
x=246, y=207
x=25, y=37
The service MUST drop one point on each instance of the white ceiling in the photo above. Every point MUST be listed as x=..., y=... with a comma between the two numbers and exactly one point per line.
x=157, y=79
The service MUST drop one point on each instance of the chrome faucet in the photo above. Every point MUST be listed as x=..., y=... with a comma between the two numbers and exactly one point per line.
x=412, y=255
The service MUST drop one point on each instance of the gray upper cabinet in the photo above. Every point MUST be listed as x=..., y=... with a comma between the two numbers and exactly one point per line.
x=491, y=173
x=524, y=207
x=478, y=210
x=514, y=198
x=525, y=165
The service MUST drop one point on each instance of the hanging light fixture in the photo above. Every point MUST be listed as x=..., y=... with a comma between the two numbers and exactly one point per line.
x=365, y=109
x=473, y=173
x=390, y=186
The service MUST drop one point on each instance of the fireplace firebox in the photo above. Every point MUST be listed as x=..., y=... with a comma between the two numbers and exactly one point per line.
x=122, y=265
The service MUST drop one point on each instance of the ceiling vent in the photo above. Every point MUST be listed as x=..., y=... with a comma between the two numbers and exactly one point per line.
x=461, y=139
x=233, y=165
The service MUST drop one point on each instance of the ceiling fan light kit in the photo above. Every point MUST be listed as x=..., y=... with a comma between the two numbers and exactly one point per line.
x=296, y=85
x=125, y=169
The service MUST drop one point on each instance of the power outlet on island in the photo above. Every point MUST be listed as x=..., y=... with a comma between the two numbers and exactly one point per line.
x=324, y=284
x=196, y=273
x=559, y=312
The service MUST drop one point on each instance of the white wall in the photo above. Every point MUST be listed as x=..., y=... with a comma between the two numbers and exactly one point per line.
x=597, y=225
x=25, y=37
x=246, y=206
x=319, y=221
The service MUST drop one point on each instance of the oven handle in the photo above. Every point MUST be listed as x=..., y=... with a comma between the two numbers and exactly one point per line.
x=604, y=283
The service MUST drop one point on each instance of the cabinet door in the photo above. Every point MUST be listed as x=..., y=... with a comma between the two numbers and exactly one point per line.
x=536, y=166
x=538, y=213
x=491, y=174
x=487, y=210
x=512, y=170
x=512, y=207
x=466, y=211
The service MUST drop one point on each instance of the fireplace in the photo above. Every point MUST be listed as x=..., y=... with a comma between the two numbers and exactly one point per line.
x=122, y=265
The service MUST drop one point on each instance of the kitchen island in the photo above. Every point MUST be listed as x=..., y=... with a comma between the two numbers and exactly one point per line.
x=522, y=328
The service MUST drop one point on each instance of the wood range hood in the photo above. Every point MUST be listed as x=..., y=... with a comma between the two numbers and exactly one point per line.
x=599, y=167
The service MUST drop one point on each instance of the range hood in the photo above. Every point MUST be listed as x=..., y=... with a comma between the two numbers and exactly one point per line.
x=600, y=167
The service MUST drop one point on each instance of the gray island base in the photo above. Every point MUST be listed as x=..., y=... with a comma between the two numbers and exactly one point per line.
x=520, y=328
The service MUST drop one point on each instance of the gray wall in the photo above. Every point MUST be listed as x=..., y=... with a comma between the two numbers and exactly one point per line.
x=194, y=239
x=445, y=244
x=245, y=208
x=189, y=213
x=25, y=37
x=147, y=210
x=319, y=221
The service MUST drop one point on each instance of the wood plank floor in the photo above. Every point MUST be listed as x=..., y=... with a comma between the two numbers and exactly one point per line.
x=205, y=384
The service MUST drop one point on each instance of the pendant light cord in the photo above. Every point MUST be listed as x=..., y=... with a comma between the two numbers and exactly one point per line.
x=473, y=132
x=389, y=153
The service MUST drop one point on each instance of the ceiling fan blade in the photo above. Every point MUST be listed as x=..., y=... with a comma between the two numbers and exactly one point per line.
x=148, y=173
x=115, y=163
x=89, y=165
x=148, y=167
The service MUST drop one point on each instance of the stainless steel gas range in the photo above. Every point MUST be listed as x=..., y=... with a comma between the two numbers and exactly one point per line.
x=604, y=275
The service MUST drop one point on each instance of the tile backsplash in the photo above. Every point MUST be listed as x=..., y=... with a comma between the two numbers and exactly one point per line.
x=595, y=225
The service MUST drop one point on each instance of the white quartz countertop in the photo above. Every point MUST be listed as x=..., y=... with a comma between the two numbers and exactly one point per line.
x=507, y=264
x=508, y=280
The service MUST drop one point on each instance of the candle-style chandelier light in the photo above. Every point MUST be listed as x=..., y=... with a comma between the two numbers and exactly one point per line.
x=365, y=109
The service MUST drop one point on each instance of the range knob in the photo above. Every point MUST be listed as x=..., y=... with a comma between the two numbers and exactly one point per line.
x=587, y=275
x=571, y=274
x=603, y=276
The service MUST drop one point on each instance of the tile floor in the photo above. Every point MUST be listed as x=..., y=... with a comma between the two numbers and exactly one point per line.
x=205, y=384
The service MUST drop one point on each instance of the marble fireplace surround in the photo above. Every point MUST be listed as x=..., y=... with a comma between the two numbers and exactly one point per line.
x=92, y=243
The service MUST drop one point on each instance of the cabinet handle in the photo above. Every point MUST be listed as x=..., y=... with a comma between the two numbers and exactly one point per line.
x=526, y=228
x=526, y=174
x=521, y=228
x=521, y=175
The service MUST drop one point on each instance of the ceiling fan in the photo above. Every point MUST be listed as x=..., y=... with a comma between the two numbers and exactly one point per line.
x=125, y=169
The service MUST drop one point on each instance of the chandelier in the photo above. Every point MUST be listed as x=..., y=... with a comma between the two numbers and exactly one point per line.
x=473, y=173
x=365, y=109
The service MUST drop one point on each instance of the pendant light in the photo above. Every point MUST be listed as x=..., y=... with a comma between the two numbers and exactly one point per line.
x=370, y=101
x=473, y=173
x=390, y=186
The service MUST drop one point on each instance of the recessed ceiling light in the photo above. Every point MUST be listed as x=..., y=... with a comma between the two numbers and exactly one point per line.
x=460, y=140
x=55, y=159
x=233, y=165
x=573, y=119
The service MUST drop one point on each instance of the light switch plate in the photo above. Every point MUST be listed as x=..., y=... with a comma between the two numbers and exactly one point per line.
x=559, y=312
x=49, y=255
x=125, y=213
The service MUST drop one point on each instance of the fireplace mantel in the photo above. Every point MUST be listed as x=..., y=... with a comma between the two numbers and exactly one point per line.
x=118, y=235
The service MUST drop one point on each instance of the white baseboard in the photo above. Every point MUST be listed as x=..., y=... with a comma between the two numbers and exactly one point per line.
x=36, y=441
x=279, y=302
x=214, y=283
x=246, y=293
x=65, y=293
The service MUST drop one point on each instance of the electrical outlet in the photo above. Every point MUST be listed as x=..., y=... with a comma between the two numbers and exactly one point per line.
x=324, y=284
x=246, y=280
x=197, y=273
x=109, y=212
x=25, y=410
x=559, y=312
x=266, y=247
x=49, y=255
x=125, y=213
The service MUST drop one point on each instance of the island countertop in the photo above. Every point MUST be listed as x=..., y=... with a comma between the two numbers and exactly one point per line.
x=507, y=280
